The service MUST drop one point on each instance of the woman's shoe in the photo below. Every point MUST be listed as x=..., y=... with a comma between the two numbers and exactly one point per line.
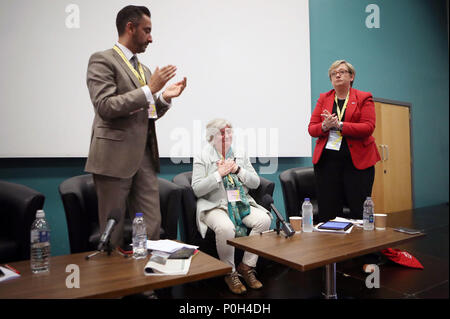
x=234, y=284
x=248, y=273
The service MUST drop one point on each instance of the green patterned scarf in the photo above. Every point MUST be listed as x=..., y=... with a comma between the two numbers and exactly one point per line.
x=240, y=209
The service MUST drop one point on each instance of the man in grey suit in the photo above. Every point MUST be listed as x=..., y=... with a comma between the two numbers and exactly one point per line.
x=123, y=155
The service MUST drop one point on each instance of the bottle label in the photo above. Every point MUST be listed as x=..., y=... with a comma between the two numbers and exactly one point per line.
x=370, y=218
x=40, y=236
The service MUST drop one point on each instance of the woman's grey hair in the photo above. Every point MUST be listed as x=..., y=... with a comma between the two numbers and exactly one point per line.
x=214, y=127
x=337, y=63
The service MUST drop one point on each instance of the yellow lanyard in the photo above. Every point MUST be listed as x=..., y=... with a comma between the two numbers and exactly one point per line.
x=140, y=76
x=339, y=112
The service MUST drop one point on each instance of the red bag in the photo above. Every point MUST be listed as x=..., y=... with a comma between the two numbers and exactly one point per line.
x=402, y=257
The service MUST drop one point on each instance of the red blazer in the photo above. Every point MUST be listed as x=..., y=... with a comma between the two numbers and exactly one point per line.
x=359, y=124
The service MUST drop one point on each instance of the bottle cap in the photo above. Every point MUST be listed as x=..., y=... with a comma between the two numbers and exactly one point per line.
x=40, y=213
x=139, y=214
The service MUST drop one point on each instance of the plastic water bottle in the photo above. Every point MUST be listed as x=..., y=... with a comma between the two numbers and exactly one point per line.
x=40, y=244
x=139, y=237
x=307, y=216
x=368, y=214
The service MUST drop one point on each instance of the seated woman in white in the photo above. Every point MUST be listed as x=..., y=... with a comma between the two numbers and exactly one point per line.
x=221, y=178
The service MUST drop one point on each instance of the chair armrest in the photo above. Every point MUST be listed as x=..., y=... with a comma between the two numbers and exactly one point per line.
x=289, y=191
x=190, y=216
x=265, y=187
x=170, y=197
x=74, y=208
x=189, y=212
x=20, y=204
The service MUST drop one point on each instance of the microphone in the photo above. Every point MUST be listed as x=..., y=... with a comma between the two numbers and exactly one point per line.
x=286, y=227
x=113, y=219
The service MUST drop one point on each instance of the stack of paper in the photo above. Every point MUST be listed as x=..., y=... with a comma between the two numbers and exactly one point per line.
x=160, y=264
x=167, y=245
x=169, y=267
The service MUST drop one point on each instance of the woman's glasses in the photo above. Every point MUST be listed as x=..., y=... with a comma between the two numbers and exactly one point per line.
x=341, y=73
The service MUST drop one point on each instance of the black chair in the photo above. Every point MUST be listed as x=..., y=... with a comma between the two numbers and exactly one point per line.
x=297, y=184
x=18, y=206
x=81, y=206
x=191, y=233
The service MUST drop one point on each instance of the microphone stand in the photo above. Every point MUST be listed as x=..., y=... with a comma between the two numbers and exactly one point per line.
x=277, y=226
x=286, y=227
x=107, y=248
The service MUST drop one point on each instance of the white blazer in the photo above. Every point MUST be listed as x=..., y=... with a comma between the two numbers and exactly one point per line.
x=211, y=193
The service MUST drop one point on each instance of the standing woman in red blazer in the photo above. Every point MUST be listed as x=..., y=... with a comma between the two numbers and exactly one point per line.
x=345, y=153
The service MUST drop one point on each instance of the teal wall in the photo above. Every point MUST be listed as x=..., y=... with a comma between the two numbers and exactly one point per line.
x=406, y=59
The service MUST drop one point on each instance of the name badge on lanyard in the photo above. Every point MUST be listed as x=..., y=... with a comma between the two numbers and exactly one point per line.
x=334, y=141
x=335, y=137
x=152, y=112
x=233, y=195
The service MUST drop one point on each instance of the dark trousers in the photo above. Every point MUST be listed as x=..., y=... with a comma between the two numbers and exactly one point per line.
x=339, y=183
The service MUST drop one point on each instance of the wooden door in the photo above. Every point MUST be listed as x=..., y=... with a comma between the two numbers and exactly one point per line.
x=392, y=191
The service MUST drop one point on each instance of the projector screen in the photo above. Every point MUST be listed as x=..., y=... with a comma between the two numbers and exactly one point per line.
x=245, y=60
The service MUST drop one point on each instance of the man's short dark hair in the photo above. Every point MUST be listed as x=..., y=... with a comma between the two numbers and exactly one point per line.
x=130, y=14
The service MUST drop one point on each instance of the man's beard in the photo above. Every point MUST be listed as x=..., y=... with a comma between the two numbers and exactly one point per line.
x=140, y=46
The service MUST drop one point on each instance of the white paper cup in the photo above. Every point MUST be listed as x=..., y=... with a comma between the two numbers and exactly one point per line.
x=380, y=221
x=296, y=223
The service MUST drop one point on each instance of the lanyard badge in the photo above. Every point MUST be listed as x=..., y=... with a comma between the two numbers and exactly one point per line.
x=233, y=195
x=335, y=137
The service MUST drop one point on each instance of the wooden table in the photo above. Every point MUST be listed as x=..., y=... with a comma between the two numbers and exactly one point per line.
x=306, y=251
x=102, y=276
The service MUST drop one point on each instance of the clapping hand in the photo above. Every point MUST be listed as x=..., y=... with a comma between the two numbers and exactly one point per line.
x=160, y=77
x=330, y=121
x=174, y=90
x=226, y=167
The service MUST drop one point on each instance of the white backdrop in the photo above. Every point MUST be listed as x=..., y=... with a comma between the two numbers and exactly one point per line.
x=245, y=60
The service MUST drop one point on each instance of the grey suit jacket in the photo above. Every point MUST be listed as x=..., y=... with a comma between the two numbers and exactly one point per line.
x=211, y=194
x=121, y=128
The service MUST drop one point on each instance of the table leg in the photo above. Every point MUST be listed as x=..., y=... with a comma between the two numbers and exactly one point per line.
x=330, y=282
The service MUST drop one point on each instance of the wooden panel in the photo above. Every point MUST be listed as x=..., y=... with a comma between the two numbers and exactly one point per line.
x=377, y=190
x=397, y=164
x=392, y=190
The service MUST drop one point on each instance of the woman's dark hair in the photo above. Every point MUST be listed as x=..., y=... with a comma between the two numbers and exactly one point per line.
x=130, y=14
